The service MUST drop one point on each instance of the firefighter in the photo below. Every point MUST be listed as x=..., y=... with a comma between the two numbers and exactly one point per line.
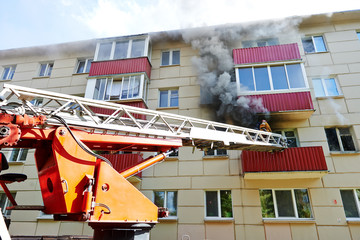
x=264, y=126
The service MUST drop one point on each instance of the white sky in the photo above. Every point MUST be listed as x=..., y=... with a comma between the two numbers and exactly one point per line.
x=39, y=22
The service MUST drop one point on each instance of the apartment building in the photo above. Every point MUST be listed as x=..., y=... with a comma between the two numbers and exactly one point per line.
x=301, y=74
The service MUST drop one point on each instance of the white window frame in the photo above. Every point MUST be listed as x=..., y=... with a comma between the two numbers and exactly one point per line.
x=113, y=42
x=293, y=202
x=216, y=153
x=10, y=74
x=9, y=153
x=169, y=97
x=356, y=202
x=340, y=141
x=313, y=42
x=325, y=89
x=171, y=52
x=165, y=201
x=47, y=71
x=86, y=60
x=282, y=132
x=90, y=87
x=255, y=43
x=219, y=205
x=268, y=66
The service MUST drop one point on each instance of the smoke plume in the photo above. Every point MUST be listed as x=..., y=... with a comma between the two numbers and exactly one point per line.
x=215, y=66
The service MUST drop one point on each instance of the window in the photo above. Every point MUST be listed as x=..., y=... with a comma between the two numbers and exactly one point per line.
x=4, y=203
x=358, y=34
x=216, y=152
x=325, y=87
x=292, y=203
x=260, y=43
x=171, y=57
x=314, y=44
x=83, y=66
x=45, y=69
x=18, y=155
x=218, y=204
x=167, y=199
x=340, y=139
x=291, y=137
x=120, y=49
x=8, y=73
x=268, y=78
x=169, y=98
x=120, y=88
x=351, y=202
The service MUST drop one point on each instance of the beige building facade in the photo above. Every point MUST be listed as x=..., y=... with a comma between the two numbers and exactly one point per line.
x=304, y=70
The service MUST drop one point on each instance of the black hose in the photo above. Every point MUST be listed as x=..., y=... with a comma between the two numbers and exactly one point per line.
x=81, y=144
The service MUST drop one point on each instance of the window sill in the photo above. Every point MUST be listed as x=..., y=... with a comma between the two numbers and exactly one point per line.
x=46, y=217
x=41, y=77
x=172, y=159
x=293, y=90
x=217, y=219
x=338, y=153
x=288, y=220
x=86, y=73
x=166, y=108
x=215, y=157
x=168, y=219
x=330, y=97
x=17, y=163
x=5, y=80
x=172, y=65
x=315, y=52
x=353, y=220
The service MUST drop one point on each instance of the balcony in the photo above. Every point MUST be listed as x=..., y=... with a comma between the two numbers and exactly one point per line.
x=121, y=66
x=292, y=163
x=274, y=76
x=139, y=104
x=123, y=162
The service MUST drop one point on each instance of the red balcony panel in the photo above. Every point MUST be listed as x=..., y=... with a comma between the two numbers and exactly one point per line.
x=139, y=104
x=279, y=102
x=274, y=53
x=122, y=162
x=121, y=66
x=307, y=159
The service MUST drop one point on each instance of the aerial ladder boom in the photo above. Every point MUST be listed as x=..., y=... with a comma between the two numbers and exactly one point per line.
x=78, y=184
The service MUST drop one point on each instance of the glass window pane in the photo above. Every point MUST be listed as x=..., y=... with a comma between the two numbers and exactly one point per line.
x=11, y=74
x=14, y=155
x=303, y=203
x=284, y=203
x=267, y=204
x=318, y=87
x=331, y=87
x=164, y=95
x=332, y=139
x=174, y=98
x=210, y=152
x=176, y=58
x=136, y=87
x=211, y=204
x=104, y=51
x=171, y=203
x=81, y=67
x=262, y=79
x=226, y=204
x=296, y=78
x=246, y=79
x=121, y=49
x=137, y=48
x=88, y=65
x=165, y=58
x=349, y=203
x=159, y=199
x=42, y=69
x=358, y=34
x=308, y=45
x=125, y=88
x=102, y=89
x=248, y=44
x=221, y=152
x=320, y=44
x=5, y=73
x=115, y=90
x=279, y=77
x=348, y=143
x=23, y=155
x=49, y=70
